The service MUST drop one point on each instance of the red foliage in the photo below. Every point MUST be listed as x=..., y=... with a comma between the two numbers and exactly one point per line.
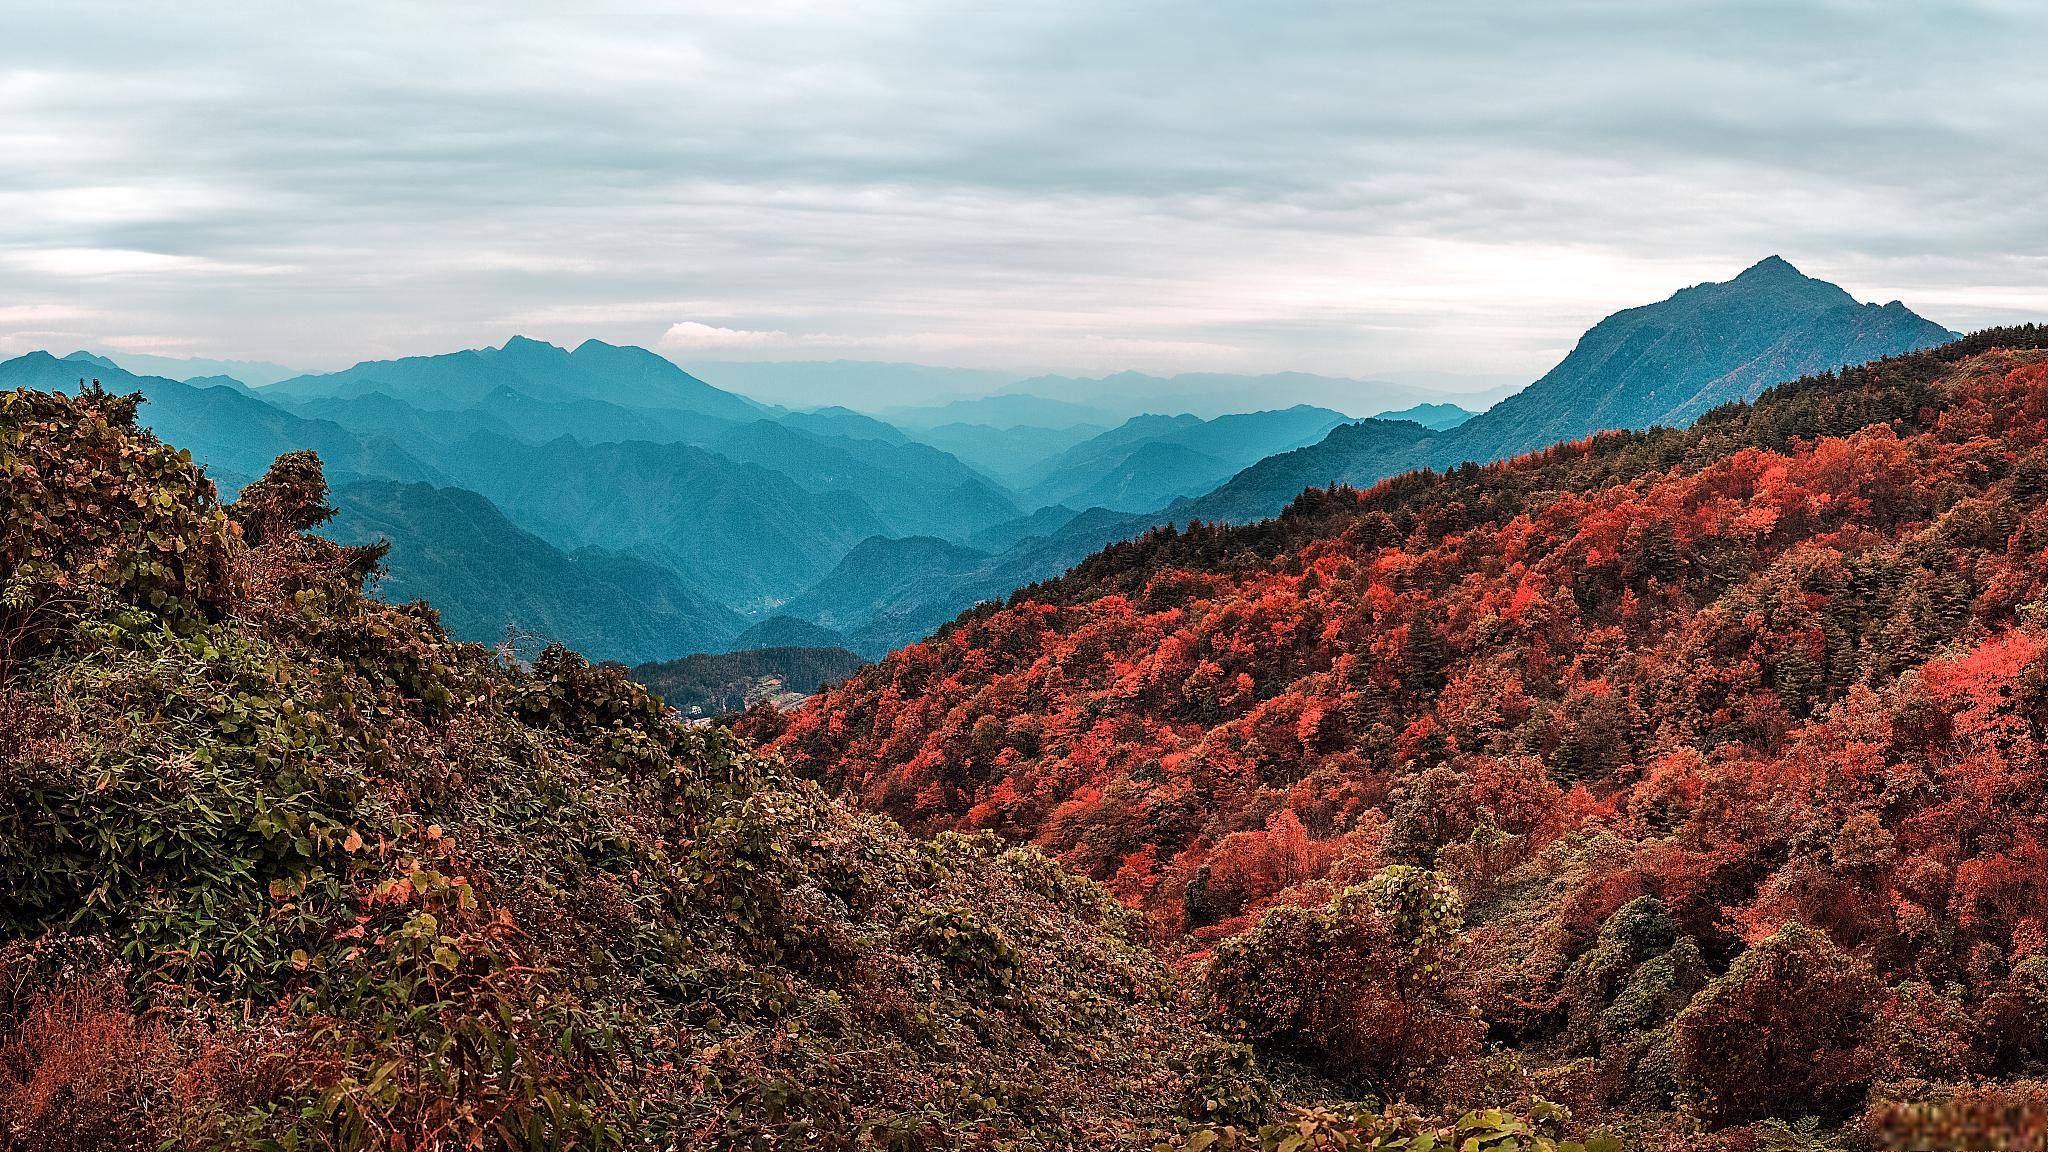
x=1789, y=666
x=1784, y=1033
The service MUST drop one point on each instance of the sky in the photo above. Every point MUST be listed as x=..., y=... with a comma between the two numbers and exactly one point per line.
x=1400, y=191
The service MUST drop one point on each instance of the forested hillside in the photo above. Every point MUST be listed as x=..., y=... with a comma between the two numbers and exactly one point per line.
x=1714, y=759
x=281, y=866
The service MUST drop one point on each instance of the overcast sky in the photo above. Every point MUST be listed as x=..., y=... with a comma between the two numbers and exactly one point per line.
x=1356, y=189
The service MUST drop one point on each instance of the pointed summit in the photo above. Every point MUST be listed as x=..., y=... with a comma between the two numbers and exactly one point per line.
x=1771, y=268
x=528, y=344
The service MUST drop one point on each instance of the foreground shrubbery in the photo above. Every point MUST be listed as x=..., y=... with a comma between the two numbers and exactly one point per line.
x=283, y=867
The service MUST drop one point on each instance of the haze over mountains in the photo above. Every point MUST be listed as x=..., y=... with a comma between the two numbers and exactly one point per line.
x=608, y=498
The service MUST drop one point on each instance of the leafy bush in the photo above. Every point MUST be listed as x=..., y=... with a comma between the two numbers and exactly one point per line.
x=1785, y=1032
x=1364, y=986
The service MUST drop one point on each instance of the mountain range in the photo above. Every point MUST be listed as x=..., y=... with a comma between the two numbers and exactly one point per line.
x=1667, y=362
x=285, y=866
x=622, y=490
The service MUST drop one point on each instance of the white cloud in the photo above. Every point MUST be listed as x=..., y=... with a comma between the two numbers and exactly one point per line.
x=79, y=263
x=690, y=336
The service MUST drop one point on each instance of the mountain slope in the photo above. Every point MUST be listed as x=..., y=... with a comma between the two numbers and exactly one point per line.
x=453, y=548
x=1667, y=363
x=834, y=420
x=912, y=488
x=1663, y=363
x=1723, y=733
x=1435, y=417
x=1009, y=455
x=1116, y=470
x=682, y=507
x=1356, y=454
x=880, y=575
x=284, y=867
x=1151, y=476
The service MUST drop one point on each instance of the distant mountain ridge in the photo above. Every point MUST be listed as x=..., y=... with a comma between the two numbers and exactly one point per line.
x=1435, y=417
x=454, y=548
x=1703, y=346
x=1664, y=363
x=607, y=373
x=1711, y=344
x=572, y=465
x=1212, y=394
x=254, y=373
x=1148, y=461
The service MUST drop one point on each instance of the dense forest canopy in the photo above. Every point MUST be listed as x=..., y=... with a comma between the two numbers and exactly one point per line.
x=1711, y=762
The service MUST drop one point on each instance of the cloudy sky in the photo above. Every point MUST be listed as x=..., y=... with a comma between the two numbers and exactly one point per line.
x=1366, y=189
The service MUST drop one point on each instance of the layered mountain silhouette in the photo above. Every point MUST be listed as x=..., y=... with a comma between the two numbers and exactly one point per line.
x=454, y=548
x=631, y=377
x=223, y=425
x=1149, y=461
x=1435, y=417
x=1663, y=363
x=607, y=497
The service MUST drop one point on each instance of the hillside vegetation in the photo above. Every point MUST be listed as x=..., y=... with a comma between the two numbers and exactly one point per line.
x=721, y=683
x=1694, y=778
x=283, y=867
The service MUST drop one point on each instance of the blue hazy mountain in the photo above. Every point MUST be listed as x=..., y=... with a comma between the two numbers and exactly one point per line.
x=882, y=575
x=1663, y=363
x=455, y=549
x=747, y=535
x=234, y=435
x=552, y=482
x=1005, y=410
x=1435, y=417
x=1209, y=394
x=624, y=376
x=1668, y=363
x=254, y=373
x=1149, y=461
x=1011, y=455
x=835, y=420
x=911, y=488
x=864, y=385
